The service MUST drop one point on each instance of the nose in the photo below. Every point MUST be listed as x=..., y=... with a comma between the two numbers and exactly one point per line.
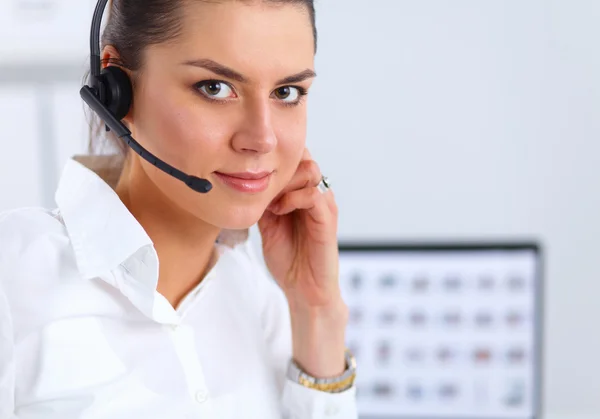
x=256, y=134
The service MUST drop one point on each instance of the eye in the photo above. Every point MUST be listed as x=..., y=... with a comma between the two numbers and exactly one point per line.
x=288, y=94
x=214, y=89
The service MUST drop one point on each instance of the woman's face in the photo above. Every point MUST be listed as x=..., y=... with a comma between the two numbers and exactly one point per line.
x=225, y=101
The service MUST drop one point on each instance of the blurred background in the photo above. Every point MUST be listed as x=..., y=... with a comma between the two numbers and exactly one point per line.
x=435, y=120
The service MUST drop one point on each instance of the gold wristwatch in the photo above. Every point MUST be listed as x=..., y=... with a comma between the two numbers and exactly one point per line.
x=330, y=385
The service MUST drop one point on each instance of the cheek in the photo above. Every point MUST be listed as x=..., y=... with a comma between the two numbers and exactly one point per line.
x=181, y=132
x=291, y=134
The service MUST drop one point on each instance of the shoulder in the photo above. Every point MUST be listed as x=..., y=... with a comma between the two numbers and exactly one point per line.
x=27, y=234
x=30, y=219
x=26, y=225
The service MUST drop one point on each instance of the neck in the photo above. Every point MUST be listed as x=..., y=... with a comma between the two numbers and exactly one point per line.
x=185, y=245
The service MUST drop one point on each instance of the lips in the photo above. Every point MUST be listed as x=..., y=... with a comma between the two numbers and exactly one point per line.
x=248, y=182
x=247, y=175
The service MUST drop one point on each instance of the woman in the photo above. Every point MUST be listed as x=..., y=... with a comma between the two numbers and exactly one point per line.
x=119, y=304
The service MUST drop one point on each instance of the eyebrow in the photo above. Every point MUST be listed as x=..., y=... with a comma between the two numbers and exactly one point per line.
x=229, y=73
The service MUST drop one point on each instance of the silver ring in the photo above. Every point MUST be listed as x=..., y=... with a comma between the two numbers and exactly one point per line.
x=324, y=185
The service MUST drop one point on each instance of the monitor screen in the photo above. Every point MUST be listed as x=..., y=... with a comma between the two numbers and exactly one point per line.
x=444, y=331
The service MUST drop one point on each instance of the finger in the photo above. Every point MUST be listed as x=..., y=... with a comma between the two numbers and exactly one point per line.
x=307, y=199
x=331, y=202
x=306, y=155
x=308, y=174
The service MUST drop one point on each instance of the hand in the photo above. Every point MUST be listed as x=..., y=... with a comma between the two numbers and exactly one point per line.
x=299, y=236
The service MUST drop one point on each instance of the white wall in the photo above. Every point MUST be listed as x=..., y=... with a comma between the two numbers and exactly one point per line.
x=434, y=119
x=20, y=168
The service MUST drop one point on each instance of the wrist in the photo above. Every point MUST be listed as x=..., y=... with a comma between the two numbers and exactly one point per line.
x=318, y=335
x=328, y=301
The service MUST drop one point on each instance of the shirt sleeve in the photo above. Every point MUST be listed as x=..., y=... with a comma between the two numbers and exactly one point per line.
x=7, y=361
x=298, y=402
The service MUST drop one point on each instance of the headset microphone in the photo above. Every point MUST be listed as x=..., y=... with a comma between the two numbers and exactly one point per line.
x=110, y=96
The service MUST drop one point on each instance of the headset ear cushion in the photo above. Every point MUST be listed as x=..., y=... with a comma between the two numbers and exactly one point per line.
x=118, y=91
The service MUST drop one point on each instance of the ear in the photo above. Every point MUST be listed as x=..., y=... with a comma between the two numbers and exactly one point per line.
x=110, y=57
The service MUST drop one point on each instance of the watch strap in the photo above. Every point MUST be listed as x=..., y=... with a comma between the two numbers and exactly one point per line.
x=332, y=384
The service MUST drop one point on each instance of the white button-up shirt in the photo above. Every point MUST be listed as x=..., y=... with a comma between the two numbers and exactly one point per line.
x=85, y=334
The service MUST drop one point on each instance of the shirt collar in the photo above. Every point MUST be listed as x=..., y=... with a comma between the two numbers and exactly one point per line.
x=103, y=232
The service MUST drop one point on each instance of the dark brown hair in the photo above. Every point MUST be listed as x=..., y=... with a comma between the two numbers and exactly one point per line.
x=133, y=25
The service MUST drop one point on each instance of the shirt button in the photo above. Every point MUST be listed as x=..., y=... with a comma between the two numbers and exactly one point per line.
x=332, y=410
x=201, y=396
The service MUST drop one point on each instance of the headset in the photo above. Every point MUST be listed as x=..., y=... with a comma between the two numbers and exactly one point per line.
x=110, y=96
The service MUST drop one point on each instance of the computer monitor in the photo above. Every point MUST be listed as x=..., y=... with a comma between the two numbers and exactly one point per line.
x=448, y=331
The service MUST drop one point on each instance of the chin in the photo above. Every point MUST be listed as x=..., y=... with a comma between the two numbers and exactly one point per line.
x=239, y=218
